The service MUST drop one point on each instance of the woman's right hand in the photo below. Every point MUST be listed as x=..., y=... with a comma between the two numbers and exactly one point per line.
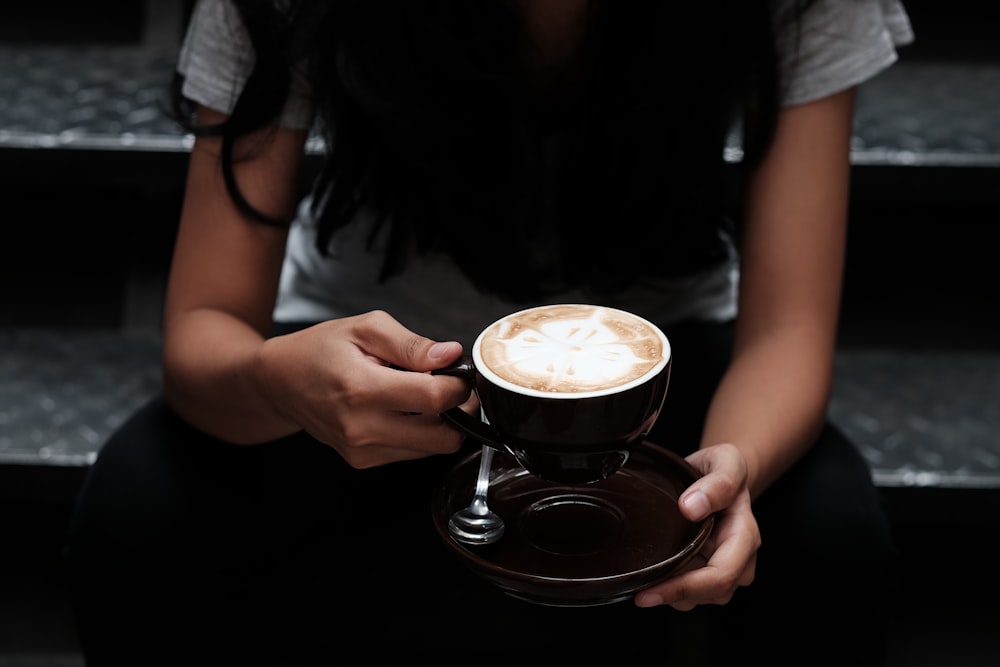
x=335, y=380
x=360, y=384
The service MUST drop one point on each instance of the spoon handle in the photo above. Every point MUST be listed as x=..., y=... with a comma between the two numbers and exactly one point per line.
x=483, y=481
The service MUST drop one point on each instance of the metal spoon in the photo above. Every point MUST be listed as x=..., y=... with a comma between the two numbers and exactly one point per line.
x=476, y=524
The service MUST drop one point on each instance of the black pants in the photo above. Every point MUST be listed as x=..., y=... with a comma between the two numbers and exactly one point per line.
x=188, y=550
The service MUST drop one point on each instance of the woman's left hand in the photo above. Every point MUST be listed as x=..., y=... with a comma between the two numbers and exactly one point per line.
x=728, y=559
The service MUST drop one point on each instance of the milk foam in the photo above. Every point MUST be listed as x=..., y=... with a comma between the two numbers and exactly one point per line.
x=571, y=349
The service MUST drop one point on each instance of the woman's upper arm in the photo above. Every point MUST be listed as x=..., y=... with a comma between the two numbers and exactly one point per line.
x=792, y=243
x=223, y=260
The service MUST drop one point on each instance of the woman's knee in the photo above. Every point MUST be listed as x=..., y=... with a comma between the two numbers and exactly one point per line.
x=154, y=492
x=824, y=519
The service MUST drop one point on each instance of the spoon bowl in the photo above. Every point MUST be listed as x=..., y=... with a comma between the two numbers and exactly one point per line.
x=475, y=523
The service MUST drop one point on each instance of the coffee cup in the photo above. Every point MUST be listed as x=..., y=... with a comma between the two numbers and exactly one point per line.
x=569, y=390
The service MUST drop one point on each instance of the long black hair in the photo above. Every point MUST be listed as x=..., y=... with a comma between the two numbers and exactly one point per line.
x=430, y=122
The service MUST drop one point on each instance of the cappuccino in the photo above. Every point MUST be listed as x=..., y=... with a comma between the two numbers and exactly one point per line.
x=570, y=350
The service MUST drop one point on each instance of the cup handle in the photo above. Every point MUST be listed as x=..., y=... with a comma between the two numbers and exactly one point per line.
x=463, y=421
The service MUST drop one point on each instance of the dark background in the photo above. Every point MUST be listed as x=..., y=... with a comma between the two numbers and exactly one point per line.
x=78, y=226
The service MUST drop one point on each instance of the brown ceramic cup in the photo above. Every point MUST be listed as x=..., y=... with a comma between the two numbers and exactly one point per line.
x=568, y=389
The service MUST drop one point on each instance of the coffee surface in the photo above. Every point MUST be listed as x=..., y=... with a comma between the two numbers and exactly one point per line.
x=570, y=348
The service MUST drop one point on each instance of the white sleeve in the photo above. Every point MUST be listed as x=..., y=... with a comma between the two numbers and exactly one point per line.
x=839, y=44
x=215, y=60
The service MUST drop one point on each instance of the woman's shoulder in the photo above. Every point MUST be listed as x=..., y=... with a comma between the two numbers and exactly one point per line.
x=213, y=57
x=216, y=58
x=836, y=44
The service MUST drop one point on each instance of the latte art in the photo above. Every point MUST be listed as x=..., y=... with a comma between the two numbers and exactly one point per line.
x=571, y=349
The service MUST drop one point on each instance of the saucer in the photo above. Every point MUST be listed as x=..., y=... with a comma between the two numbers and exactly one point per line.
x=568, y=545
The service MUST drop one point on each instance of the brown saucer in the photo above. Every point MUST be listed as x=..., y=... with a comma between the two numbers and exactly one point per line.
x=578, y=545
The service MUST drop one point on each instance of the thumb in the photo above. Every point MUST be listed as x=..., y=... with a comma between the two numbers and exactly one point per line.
x=429, y=355
x=423, y=354
x=723, y=475
x=381, y=336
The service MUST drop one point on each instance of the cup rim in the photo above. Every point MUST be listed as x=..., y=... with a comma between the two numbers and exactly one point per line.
x=495, y=379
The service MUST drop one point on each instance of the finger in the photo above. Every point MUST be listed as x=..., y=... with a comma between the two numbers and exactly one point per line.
x=711, y=577
x=374, y=457
x=749, y=573
x=408, y=392
x=698, y=586
x=400, y=437
x=426, y=434
x=382, y=336
x=726, y=561
x=724, y=474
x=429, y=434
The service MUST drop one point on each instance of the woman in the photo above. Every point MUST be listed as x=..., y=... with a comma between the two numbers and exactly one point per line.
x=479, y=158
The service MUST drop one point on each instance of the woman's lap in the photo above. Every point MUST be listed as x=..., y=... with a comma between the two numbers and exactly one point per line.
x=290, y=548
x=261, y=549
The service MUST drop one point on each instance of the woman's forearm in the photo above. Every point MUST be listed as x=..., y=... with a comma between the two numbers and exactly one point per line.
x=210, y=367
x=772, y=402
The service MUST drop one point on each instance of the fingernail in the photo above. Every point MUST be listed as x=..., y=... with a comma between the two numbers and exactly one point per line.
x=697, y=505
x=438, y=350
x=651, y=600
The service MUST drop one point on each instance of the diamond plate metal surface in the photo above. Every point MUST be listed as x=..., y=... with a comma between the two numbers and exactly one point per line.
x=930, y=418
x=914, y=113
x=929, y=113
x=920, y=418
x=63, y=393
x=96, y=97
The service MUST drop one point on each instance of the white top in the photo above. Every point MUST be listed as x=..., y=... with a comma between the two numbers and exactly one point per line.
x=840, y=44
